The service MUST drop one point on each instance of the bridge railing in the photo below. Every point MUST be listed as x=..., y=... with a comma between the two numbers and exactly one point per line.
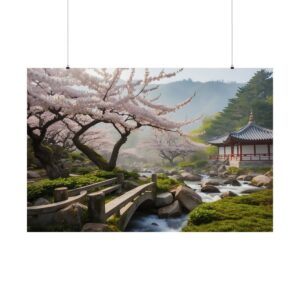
x=91, y=187
x=100, y=212
x=64, y=197
x=53, y=207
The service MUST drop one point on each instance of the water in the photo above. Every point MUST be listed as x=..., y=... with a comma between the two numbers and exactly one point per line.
x=211, y=197
x=152, y=223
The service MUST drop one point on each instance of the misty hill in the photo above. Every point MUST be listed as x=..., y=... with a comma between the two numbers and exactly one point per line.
x=211, y=97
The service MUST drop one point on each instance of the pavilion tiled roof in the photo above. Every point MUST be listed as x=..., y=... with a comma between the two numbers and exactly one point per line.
x=251, y=132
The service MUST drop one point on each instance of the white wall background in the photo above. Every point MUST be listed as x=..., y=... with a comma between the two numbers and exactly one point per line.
x=157, y=33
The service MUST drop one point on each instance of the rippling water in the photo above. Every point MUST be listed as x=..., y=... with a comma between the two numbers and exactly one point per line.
x=152, y=223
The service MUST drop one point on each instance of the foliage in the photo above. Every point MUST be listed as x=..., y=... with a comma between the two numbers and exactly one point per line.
x=233, y=170
x=252, y=212
x=76, y=156
x=164, y=183
x=256, y=95
x=211, y=150
x=197, y=160
x=58, y=113
x=45, y=187
x=196, y=135
x=171, y=146
x=82, y=170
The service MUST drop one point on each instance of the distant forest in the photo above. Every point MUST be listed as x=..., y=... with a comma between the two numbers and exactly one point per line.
x=256, y=95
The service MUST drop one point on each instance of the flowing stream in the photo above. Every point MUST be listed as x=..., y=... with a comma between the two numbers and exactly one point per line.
x=152, y=223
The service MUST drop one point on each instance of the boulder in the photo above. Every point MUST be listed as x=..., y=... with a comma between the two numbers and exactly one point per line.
x=190, y=176
x=163, y=199
x=213, y=173
x=96, y=227
x=261, y=180
x=245, y=177
x=248, y=177
x=233, y=182
x=228, y=194
x=222, y=169
x=210, y=189
x=269, y=173
x=224, y=174
x=187, y=197
x=176, y=177
x=72, y=215
x=41, y=201
x=173, y=172
x=211, y=181
x=171, y=211
x=33, y=174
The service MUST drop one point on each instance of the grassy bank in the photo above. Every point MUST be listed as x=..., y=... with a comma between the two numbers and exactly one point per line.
x=248, y=213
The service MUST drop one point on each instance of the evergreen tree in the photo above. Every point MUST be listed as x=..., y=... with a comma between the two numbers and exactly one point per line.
x=256, y=96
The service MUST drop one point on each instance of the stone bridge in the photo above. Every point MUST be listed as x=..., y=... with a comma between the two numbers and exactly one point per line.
x=123, y=206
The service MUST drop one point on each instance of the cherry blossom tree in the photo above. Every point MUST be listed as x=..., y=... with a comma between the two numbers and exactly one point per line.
x=80, y=99
x=125, y=105
x=170, y=145
x=48, y=94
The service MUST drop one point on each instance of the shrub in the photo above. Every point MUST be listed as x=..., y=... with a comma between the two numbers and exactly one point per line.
x=252, y=212
x=164, y=183
x=83, y=170
x=76, y=156
x=202, y=216
x=45, y=187
x=233, y=170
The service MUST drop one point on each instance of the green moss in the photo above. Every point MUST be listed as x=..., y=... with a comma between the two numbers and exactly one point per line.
x=77, y=156
x=164, y=183
x=83, y=170
x=243, y=213
x=233, y=170
x=45, y=187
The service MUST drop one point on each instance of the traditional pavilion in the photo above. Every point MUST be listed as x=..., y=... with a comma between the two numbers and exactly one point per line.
x=248, y=146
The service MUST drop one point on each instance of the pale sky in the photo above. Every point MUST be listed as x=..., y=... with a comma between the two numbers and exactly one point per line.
x=204, y=75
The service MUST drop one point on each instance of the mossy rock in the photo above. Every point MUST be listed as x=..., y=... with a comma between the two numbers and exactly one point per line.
x=242, y=213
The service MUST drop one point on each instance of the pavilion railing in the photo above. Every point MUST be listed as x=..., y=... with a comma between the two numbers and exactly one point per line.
x=246, y=157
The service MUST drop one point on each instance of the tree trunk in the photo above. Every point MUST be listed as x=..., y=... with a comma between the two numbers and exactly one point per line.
x=115, y=153
x=96, y=158
x=171, y=161
x=45, y=155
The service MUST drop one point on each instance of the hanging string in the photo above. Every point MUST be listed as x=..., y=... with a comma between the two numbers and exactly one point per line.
x=231, y=67
x=68, y=36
